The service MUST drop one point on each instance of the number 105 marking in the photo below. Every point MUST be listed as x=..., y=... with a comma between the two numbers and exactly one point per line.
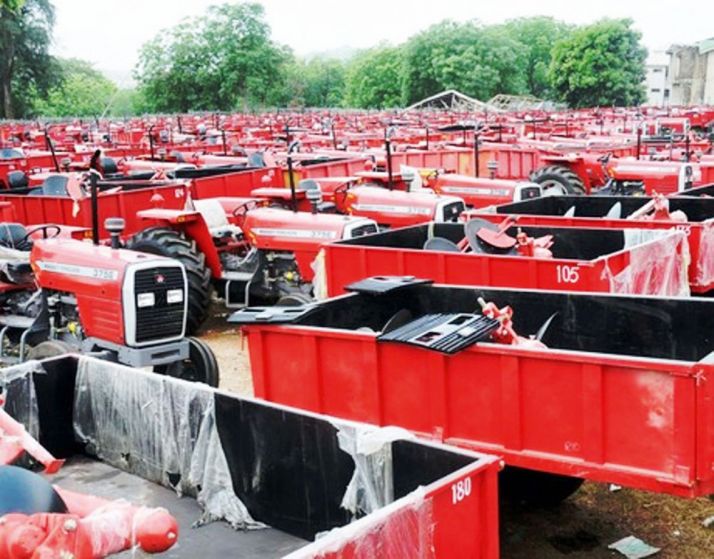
x=568, y=274
x=460, y=490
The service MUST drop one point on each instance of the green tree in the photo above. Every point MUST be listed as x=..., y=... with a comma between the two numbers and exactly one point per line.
x=84, y=91
x=537, y=35
x=373, y=78
x=319, y=82
x=224, y=60
x=26, y=67
x=600, y=64
x=476, y=60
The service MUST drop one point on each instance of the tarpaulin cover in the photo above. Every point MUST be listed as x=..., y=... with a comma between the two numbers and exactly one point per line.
x=704, y=265
x=18, y=391
x=658, y=264
x=158, y=428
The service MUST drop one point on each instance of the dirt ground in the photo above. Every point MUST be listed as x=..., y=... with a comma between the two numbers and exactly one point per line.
x=580, y=528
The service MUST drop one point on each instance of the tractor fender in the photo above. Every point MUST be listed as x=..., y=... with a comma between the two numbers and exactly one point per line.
x=191, y=224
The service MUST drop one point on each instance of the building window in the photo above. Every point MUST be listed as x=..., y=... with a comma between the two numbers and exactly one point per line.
x=655, y=90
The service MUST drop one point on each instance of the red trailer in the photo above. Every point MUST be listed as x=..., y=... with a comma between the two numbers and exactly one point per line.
x=625, y=212
x=631, y=261
x=294, y=474
x=612, y=388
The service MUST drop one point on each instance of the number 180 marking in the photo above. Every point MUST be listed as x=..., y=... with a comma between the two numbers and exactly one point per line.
x=460, y=490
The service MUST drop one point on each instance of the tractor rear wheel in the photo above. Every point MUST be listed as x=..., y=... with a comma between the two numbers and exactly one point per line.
x=173, y=244
x=200, y=366
x=558, y=180
x=536, y=488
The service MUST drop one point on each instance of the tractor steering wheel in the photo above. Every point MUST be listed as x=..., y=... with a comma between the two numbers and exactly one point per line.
x=240, y=211
x=44, y=228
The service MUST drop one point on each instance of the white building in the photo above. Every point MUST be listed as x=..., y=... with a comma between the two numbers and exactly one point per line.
x=657, y=79
x=691, y=73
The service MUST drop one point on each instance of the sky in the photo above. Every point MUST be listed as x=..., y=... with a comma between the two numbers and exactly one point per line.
x=110, y=33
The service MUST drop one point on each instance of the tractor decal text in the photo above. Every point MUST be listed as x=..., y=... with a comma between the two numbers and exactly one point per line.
x=411, y=210
x=74, y=270
x=295, y=233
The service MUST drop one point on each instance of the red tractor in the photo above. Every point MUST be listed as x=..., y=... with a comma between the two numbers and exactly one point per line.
x=250, y=251
x=586, y=173
x=60, y=295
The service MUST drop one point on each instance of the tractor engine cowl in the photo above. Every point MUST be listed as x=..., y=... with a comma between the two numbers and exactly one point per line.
x=122, y=297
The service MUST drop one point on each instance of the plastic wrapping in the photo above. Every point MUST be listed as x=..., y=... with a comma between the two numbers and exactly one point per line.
x=393, y=529
x=159, y=430
x=403, y=529
x=654, y=268
x=17, y=386
x=371, y=486
x=319, y=280
x=704, y=265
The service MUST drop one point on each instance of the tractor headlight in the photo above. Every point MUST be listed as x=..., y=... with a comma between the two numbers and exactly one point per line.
x=174, y=296
x=145, y=300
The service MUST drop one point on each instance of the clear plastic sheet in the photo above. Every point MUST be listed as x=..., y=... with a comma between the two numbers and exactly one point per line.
x=16, y=385
x=403, y=529
x=160, y=429
x=371, y=486
x=704, y=266
x=655, y=268
x=319, y=280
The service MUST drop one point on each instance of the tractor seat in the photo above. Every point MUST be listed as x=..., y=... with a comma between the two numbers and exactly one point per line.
x=56, y=185
x=215, y=217
x=17, y=179
x=14, y=236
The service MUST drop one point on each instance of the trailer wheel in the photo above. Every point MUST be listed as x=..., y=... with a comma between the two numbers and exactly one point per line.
x=536, y=488
x=293, y=300
x=200, y=366
x=173, y=244
x=50, y=348
x=558, y=180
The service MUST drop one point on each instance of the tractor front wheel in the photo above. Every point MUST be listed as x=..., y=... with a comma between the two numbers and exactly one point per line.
x=556, y=180
x=200, y=366
x=536, y=488
x=174, y=244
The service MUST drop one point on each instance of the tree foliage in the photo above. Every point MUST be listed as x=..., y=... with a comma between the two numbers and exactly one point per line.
x=537, y=35
x=600, y=64
x=479, y=61
x=26, y=67
x=319, y=82
x=373, y=78
x=223, y=60
x=83, y=91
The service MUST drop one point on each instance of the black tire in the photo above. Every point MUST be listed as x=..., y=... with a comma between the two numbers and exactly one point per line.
x=294, y=300
x=50, y=348
x=173, y=244
x=535, y=488
x=201, y=365
x=557, y=176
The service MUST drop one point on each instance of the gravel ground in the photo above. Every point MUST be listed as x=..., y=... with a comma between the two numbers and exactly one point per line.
x=580, y=528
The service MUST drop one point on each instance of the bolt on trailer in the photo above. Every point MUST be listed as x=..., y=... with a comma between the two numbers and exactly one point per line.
x=282, y=475
x=540, y=257
x=611, y=388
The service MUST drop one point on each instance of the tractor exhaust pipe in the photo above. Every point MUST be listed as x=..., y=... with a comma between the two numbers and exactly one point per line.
x=93, y=179
x=115, y=226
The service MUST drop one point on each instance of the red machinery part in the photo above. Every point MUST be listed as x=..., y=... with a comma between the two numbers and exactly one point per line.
x=92, y=529
x=15, y=440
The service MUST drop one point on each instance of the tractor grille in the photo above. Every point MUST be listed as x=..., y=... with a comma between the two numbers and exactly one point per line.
x=530, y=192
x=452, y=211
x=161, y=320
